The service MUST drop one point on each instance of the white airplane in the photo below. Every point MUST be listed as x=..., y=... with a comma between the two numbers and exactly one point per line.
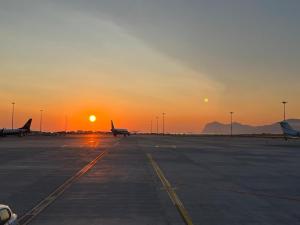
x=116, y=131
x=20, y=131
x=288, y=131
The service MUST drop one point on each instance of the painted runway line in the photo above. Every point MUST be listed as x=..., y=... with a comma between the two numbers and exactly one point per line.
x=31, y=214
x=171, y=192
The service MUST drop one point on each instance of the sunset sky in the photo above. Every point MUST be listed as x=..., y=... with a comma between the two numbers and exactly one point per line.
x=131, y=60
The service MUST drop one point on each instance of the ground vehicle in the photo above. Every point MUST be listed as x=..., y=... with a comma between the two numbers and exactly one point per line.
x=7, y=217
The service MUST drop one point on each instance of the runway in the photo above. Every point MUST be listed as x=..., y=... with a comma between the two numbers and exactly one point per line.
x=151, y=180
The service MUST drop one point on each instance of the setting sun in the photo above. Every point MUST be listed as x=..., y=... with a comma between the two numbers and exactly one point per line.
x=92, y=118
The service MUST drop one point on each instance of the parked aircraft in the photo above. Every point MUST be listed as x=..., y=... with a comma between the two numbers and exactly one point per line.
x=288, y=131
x=19, y=132
x=117, y=131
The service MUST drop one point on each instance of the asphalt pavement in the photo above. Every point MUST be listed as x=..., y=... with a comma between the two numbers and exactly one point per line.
x=151, y=180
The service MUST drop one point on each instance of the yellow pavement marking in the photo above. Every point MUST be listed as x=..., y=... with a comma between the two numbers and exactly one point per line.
x=31, y=214
x=171, y=192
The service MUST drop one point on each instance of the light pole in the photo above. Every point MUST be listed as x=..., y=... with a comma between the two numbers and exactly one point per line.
x=151, y=127
x=283, y=102
x=12, y=115
x=41, y=120
x=231, y=123
x=66, y=123
x=163, y=123
x=157, y=125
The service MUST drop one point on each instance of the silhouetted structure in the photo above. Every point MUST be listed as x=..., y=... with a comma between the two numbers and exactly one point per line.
x=163, y=123
x=12, y=115
x=41, y=119
x=284, y=102
x=157, y=125
x=231, y=123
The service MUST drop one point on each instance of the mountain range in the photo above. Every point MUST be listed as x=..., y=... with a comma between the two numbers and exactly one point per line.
x=238, y=128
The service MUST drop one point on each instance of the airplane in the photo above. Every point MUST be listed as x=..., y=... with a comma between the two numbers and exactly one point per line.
x=116, y=131
x=288, y=131
x=22, y=131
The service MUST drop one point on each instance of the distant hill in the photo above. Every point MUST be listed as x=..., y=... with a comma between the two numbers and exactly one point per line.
x=238, y=128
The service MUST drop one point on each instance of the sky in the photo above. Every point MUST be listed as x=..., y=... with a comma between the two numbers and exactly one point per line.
x=132, y=60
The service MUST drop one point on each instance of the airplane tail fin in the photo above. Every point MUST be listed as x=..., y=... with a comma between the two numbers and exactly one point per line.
x=112, y=125
x=27, y=125
x=287, y=129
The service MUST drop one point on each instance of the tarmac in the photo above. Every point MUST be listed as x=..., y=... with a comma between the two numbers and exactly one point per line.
x=150, y=180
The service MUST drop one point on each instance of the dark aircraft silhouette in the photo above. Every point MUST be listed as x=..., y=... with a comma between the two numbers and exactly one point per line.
x=116, y=131
x=22, y=131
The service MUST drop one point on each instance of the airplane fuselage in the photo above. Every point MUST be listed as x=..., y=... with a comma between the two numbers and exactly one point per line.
x=120, y=132
x=292, y=135
x=19, y=132
x=22, y=131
